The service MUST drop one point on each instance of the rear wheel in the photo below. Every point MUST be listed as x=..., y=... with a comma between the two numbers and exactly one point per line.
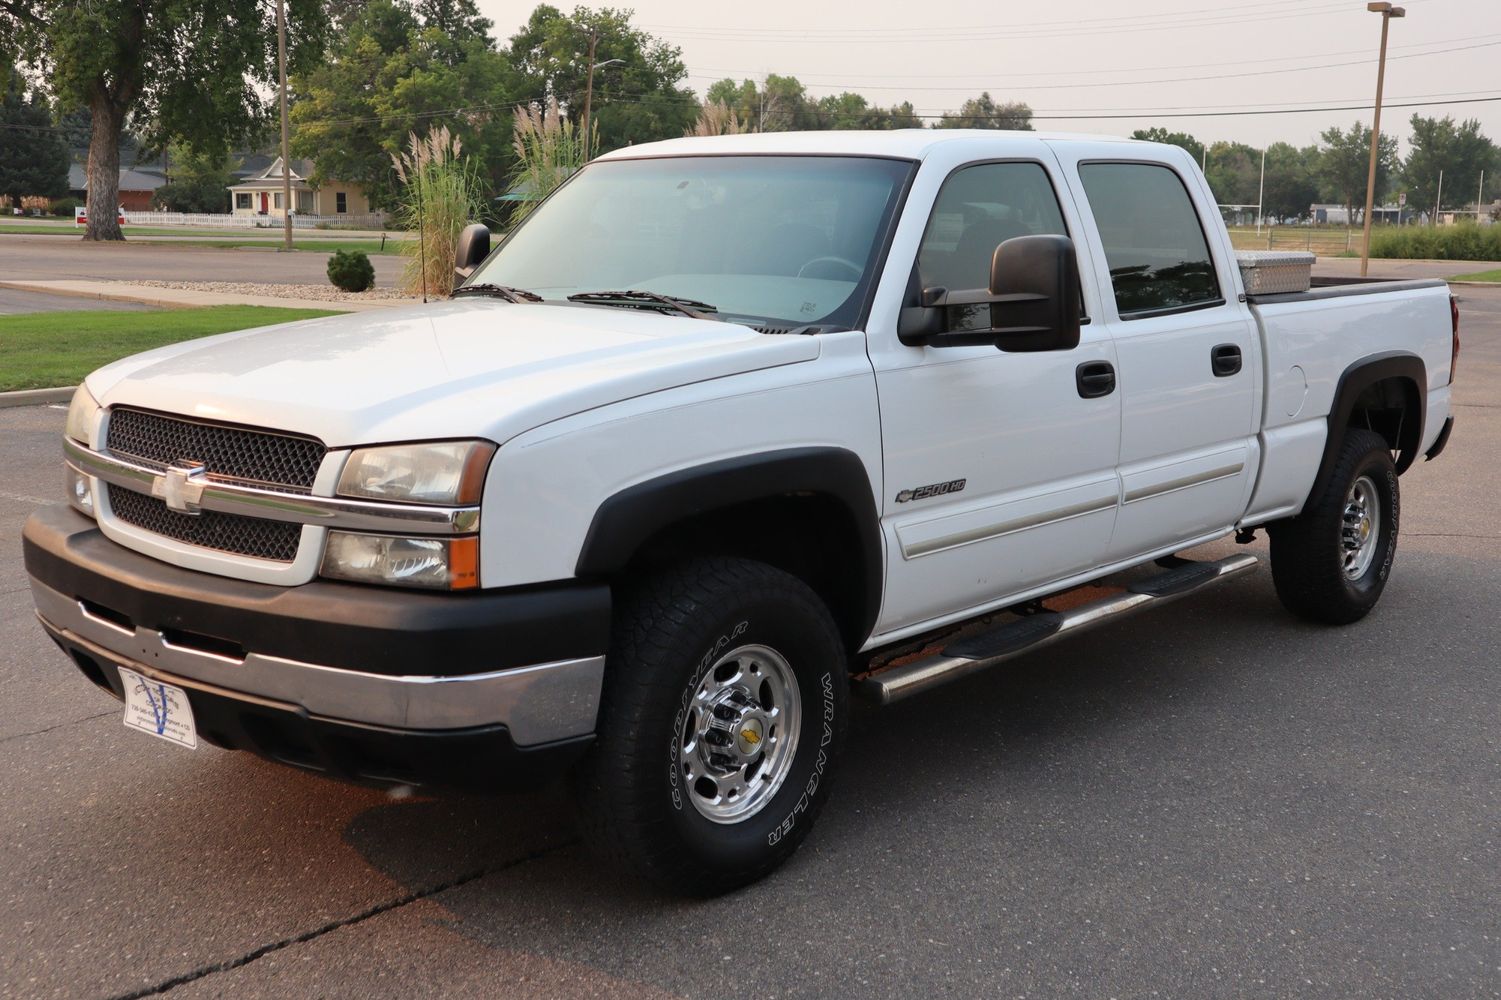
x=724, y=705
x=1331, y=562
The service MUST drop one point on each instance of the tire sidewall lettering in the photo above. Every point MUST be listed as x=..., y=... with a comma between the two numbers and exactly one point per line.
x=820, y=763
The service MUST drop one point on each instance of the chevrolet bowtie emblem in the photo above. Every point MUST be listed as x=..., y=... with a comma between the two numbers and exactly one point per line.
x=181, y=487
x=750, y=736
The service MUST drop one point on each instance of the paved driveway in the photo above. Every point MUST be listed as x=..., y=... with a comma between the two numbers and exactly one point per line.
x=1211, y=801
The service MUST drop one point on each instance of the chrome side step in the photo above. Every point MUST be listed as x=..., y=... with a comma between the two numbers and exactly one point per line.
x=977, y=652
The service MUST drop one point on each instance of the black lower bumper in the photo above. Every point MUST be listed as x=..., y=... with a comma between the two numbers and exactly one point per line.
x=482, y=757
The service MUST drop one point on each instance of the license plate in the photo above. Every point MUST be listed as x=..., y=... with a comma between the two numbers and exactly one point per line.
x=159, y=709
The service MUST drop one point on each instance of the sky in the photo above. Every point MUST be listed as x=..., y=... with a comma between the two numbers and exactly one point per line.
x=1081, y=64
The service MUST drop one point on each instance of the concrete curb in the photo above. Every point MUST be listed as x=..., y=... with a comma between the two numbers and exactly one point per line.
x=36, y=397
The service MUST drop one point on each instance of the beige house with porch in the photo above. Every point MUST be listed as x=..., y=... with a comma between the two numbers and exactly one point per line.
x=262, y=194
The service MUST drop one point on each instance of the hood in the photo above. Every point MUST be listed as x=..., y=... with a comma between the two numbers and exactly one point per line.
x=472, y=367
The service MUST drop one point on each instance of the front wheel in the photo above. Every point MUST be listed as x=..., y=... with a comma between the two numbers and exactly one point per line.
x=724, y=706
x=1331, y=562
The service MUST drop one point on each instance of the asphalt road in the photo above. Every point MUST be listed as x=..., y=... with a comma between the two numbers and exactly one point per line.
x=1212, y=800
x=32, y=258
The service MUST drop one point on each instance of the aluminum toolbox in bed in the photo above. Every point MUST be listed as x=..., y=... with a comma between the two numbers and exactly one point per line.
x=1270, y=272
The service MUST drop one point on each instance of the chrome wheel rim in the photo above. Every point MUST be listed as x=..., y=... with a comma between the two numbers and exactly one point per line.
x=1360, y=528
x=739, y=735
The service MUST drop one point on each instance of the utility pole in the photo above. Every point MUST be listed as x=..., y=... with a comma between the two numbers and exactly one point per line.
x=589, y=93
x=1438, y=199
x=1261, y=191
x=1387, y=12
x=1479, y=195
x=286, y=157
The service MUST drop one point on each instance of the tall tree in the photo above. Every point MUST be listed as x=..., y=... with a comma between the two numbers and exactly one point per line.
x=194, y=70
x=1233, y=170
x=389, y=74
x=33, y=154
x=1292, y=184
x=1344, y=162
x=636, y=100
x=196, y=182
x=1460, y=151
x=984, y=112
x=1182, y=139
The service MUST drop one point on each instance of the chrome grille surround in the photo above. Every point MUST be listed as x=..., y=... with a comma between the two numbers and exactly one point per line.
x=269, y=459
x=246, y=536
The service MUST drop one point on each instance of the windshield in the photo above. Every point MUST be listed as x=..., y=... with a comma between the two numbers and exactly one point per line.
x=763, y=239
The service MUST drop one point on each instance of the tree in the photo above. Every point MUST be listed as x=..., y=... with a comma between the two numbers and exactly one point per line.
x=33, y=155
x=197, y=182
x=984, y=112
x=636, y=100
x=391, y=73
x=1233, y=170
x=1291, y=180
x=200, y=71
x=1182, y=139
x=1461, y=152
x=1344, y=162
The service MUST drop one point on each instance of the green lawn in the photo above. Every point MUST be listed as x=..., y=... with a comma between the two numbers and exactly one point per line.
x=42, y=350
x=370, y=246
x=1480, y=276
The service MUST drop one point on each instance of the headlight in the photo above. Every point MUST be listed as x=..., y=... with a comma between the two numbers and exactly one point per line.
x=83, y=412
x=437, y=563
x=451, y=473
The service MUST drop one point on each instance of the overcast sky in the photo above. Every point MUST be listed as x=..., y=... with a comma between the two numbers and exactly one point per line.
x=1072, y=58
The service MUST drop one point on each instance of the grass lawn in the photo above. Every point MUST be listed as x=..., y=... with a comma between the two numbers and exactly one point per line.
x=1480, y=276
x=370, y=246
x=43, y=350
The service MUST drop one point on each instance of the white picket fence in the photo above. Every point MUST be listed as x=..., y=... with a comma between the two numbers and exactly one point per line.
x=193, y=220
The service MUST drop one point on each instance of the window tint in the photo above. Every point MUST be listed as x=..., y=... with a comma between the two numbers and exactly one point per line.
x=1154, y=245
x=980, y=208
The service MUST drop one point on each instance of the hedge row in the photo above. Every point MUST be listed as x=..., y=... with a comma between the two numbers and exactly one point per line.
x=1465, y=241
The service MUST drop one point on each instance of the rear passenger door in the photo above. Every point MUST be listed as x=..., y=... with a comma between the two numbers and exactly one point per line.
x=1187, y=353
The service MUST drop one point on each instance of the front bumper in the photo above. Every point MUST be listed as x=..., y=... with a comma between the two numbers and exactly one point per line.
x=364, y=682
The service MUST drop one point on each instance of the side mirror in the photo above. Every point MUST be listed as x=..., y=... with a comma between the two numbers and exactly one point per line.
x=1032, y=303
x=474, y=246
x=1034, y=287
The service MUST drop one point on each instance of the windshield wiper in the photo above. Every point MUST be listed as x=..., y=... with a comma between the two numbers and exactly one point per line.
x=633, y=299
x=499, y=291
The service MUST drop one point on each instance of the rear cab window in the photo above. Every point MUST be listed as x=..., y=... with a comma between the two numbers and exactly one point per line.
x=1153, y=240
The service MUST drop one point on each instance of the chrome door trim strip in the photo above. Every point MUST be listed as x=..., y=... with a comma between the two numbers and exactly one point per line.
x=1184, y=482
x=1011, y=527
x=270, y=505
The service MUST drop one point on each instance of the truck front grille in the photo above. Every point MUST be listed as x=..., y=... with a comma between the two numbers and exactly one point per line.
x=246, y=536
x=285, y=462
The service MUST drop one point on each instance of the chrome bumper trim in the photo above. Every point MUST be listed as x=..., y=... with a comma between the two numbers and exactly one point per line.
x=537, y=704
x=299, y=508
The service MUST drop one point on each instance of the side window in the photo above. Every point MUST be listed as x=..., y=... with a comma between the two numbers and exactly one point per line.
x=978, y=209
x=1154, y=245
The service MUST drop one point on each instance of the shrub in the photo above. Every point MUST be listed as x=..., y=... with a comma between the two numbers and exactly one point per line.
x=442, y=196
x=549, y=149
x=64, y=207
x=1464, y=241
x=351, y=270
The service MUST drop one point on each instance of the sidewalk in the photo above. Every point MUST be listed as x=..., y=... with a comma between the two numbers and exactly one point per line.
x=178, y=298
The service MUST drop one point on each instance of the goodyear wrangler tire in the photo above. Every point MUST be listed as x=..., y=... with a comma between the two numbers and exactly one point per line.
x=1331, y=562
x=724, y=707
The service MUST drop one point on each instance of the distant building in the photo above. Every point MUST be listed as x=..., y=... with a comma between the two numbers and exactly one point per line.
x=136, y=186
x=262, y=192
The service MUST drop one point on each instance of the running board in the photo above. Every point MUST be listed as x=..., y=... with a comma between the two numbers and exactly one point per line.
x=977, y=652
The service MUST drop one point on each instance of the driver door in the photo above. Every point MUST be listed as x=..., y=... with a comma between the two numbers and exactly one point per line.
x=1000, y=475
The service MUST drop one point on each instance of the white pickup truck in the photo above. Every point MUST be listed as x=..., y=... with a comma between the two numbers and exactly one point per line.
x=727, y=430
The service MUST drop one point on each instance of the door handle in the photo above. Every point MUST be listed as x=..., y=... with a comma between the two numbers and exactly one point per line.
x=1095, y=379
x=1224, y=360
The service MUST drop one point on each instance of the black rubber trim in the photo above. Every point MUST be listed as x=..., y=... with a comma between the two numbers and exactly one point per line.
x=1441, y=442
x=481, y=757
x=1006, y=639
x=1356, y=379
x=1368, y=286
x=629, y=518
x=375, y=629
x=1175, y=581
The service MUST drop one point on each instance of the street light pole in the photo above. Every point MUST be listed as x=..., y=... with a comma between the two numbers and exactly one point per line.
x=286, y=162
x=589, y=92
x=1387, y=12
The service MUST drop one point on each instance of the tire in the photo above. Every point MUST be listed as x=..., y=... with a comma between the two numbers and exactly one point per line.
x=1322, y=570
x=760, y=646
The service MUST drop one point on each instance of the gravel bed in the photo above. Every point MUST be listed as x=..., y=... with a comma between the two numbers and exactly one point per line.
x=322, y=293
